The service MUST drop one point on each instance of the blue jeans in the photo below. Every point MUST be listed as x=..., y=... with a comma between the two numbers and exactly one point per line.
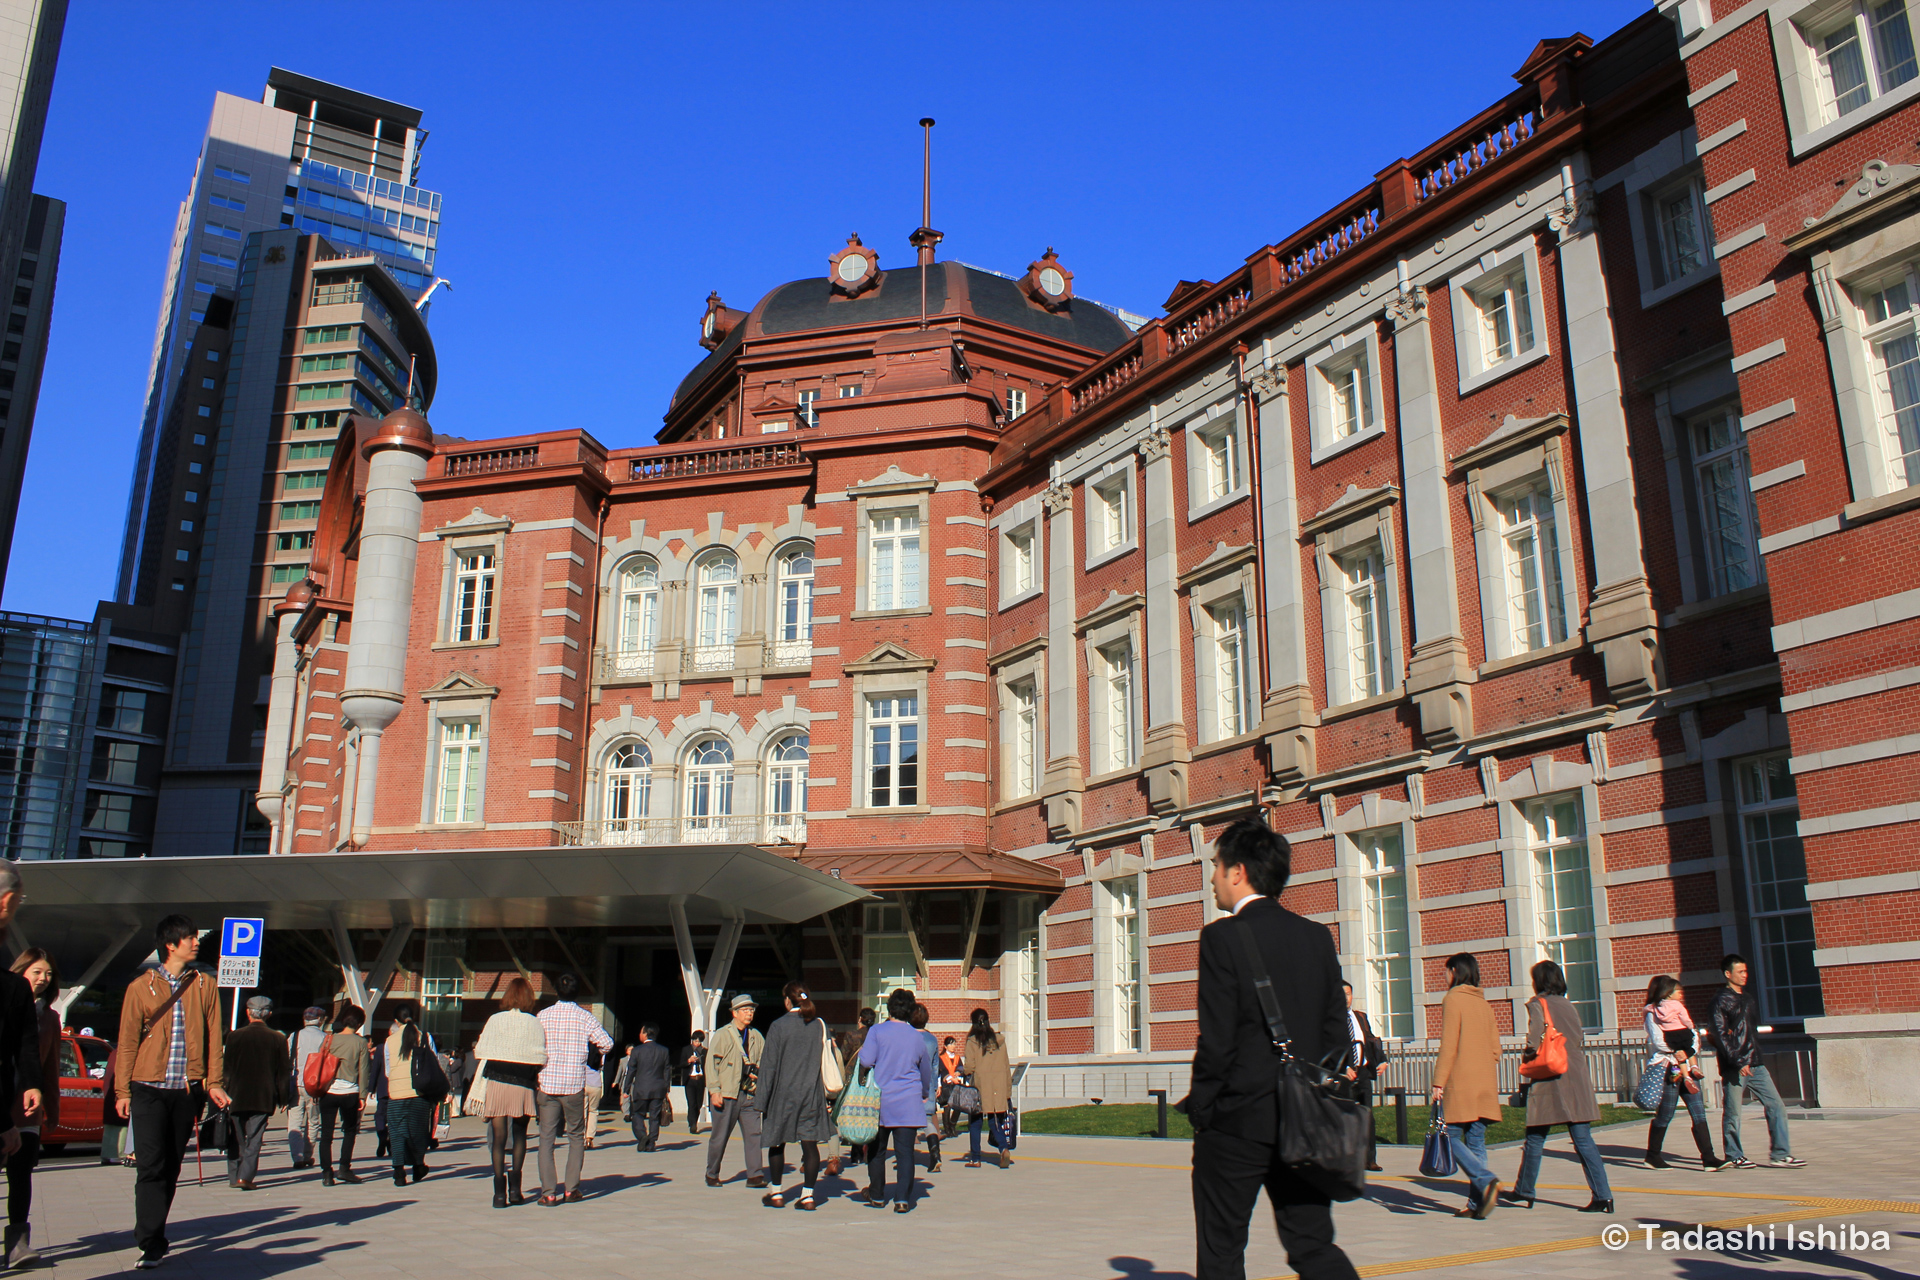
x=1469, y=1143
x=1590, y=1162
x=1761, y=1084
x=1670, y=1098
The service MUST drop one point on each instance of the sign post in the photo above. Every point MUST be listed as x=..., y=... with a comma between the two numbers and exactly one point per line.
x=240, y=940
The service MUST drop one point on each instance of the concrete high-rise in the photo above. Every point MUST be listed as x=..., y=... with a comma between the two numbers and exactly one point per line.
x=30, y=227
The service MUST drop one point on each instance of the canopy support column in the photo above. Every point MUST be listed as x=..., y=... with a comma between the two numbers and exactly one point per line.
x=65, y=999
x=703, y=993
x=383, y=964
x=356, y=984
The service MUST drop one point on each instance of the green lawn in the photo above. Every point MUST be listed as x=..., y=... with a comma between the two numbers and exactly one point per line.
x=1137, y=1120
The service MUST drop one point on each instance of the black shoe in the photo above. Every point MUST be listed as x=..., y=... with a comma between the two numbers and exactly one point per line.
x=148, y=1261
x=1655, y=1160
x=351, y=1179
x=326, y=1177
x=1517, y=1201
x=500, y=1191
x=873, y=1199
x=420, y=1172
x=399, y=1177
x=1599, y=1206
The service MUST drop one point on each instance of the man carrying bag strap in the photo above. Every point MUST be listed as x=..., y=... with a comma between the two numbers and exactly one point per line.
x=1235, y=1104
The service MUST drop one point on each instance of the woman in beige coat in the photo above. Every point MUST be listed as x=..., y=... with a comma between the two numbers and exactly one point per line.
x=1466, y=1080
x=984, y=1057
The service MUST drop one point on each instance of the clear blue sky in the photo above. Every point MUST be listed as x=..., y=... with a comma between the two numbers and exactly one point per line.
x=606, y=168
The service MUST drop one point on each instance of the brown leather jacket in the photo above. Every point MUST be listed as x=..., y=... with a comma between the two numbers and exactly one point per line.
x=145, y=1060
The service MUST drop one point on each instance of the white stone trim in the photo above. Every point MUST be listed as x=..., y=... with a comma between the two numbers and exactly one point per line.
x=1706, y=91
x=1759, y=355
x=1738, y=182
x=1857, y=753
x=1864, y=687
x=1474, y=372
x=1772, y=413
x=1741, y=301
x=1219, y=417
x=1721, y=138
x=1800, y=533
x=1104, y=477
x=1864, y=886
x=1779, y=475
x=1740, y=240
x=1361, y=345
x=1850, y=620
x=1860, y=820
x=1874, y=953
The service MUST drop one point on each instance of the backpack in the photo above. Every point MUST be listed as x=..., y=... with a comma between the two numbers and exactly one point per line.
x=322, y=1067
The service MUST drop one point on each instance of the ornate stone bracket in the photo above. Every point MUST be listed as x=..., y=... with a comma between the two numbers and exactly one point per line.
x=1057, y=498
x=1575, y=216
x=1409, y=307
x=1157, y=443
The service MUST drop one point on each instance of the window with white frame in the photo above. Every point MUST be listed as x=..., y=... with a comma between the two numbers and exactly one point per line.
x=1776, y=878
x=793, y=594
x=1110, y=512
x=1682, y=233
x=1232, y=688
x=1500, y=321
x=807, y=414
x=1020, y=568
x=1023, y=957
x=473, y=579
x=893, y=751
x=1125, y=949
x=888, y=961
x=1349, y=404
x=1505, y=316
x=787, y=789
x=1861, y=52
x=639, y=619
x=708, y=812
x=1893, y=341
x=461, y=751
x=1220, y=460
x=1363, y=594
x=1023, y=708
x=1563, y=898
x=1016, y=402
x=1530, y=543
x=629, y=794
x=1116, y=691
x=1383, y=877
x=893, y=560
x=1728, y=522
x=716, y=611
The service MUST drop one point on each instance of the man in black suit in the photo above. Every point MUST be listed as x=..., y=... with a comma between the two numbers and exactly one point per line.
x=648, y=1077
x=1233, y=1105
x=1365, y=1053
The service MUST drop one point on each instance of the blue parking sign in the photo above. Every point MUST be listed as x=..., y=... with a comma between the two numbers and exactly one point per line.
x=240, y=938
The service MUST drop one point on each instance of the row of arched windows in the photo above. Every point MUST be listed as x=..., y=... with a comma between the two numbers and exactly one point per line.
x=715, y=615
x=631, y=813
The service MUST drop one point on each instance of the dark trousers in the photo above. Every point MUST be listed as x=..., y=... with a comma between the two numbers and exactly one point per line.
x=20, y=1178
x=243, y=1158
x=901, y=1137
x=696, y=1095
x=408, y=1123
x=1228, y=1172
x=343, y=1109
x=645, y=1113
x=162, y=1121
x=734, y=1111
x=1364, y=1092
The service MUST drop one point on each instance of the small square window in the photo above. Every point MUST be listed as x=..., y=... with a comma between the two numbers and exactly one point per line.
x=186, y=526
x=193, y=468
x=199, y=439
x=1499, y=322
x=205, y=411
x=183, y=554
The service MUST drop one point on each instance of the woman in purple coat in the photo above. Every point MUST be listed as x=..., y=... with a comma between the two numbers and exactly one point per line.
x=902, y=1066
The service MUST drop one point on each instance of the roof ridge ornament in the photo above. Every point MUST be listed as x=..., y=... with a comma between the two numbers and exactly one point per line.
x=1047, y=282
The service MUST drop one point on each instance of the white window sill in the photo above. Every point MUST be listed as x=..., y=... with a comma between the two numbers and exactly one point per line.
x=1706, y=608
x=888, y=811
x=1100, y=779
x=1097, y=559
x=463, y=644
x=1221, y=503
x=451, y=826
x=1216, y=745
x=1031, y=593
x=1813, y=139
x=1360, y=706
x=918, y=611
x=1487, y=377
x=1650, y=298
x=1499, y=665
x=1340, y=446
x=1017, y=802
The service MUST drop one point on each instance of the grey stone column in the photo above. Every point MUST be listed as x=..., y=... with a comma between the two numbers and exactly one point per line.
x=1622, y=622
x=1166, y=750
x=1287, y=717
x=1065, y=778
x=282, y=693
x=1439, y=672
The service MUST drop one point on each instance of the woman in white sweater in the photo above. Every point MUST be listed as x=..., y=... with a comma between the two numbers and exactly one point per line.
x=512, y=1049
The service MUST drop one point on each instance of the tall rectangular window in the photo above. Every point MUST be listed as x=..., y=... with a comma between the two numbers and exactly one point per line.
x=1729, y=522
x=1016, y=402
x=893, y=552
x=1109, y=513
x=893, y=751
x=1536, y=609
x=1126, y=951
x=1686, y=235
x=808, y=415
x=1020, y=561
x=1116, y=693
x=887, y=950
x=473, y=596
x=1367, y=636
x=1024, y=707
x=1506, y=317
x=1232, y=714
x=1895, y=348
x=1563, y=898
x=1024, y=954
x=1777, y=889
x=1383, y=875
x=460, y=747
x=1222, y=461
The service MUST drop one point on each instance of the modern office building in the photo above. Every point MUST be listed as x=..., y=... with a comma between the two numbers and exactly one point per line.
x=30, y=232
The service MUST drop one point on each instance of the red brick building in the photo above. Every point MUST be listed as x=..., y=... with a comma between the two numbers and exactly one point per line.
x=1430, y=528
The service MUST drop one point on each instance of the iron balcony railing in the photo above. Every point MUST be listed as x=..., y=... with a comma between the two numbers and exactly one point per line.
x=758, y=828
x=704, y=659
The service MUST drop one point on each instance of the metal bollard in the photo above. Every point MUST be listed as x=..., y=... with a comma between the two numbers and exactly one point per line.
x=1161, y=1095
x=1399, y=1096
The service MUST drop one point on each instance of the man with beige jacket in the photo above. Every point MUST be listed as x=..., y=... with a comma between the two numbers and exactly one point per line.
x=169, y=1048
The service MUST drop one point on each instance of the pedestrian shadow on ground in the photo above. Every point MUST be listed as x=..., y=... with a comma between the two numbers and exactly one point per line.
x=1759, y=1263
x=608, y=1183
x=1143, y=1269
x=1398, y=1198
x=265, y=1232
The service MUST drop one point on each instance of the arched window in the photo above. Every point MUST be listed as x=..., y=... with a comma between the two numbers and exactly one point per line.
x=793, y=597
x=639, y=619
x=716, y=612
x=629, y=795
x=787, y=789
x=709, y=810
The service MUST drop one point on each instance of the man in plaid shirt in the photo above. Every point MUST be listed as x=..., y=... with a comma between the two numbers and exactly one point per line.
x=562, y=1095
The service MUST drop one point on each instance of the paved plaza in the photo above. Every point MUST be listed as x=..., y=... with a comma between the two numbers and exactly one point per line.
x=1093, y=1208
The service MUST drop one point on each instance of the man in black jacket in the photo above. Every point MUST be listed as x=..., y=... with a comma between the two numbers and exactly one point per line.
x=1232, y=1105
x=1736, y=1043
x=259, y=1078
x=1365, y=1054
x=19, y=1026
x=646, y=1081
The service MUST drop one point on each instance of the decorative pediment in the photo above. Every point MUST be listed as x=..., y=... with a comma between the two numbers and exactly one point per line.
x=891, y=658
x=1509, y=435
x=774, y=405
x=1354, y=502
x=892, y=480
x=459, y=684
x=1114, y=606
x=1877, y=180
x=1218, y=561
x=476, y=521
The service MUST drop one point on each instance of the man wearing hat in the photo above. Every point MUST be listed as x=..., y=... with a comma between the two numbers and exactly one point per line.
x=259, y=1079
x=303, y=1116
x=732, y=1062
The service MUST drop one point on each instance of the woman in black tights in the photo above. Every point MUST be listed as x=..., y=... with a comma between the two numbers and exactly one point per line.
x=513, y=1047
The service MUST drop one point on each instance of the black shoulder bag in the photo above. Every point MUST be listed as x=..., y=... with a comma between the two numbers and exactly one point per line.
x=1322, y=1130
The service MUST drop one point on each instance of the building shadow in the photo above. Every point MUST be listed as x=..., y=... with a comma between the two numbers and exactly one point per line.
x=1765, y=1262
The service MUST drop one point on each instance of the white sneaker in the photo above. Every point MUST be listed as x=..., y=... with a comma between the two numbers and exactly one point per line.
x=1791, y=1162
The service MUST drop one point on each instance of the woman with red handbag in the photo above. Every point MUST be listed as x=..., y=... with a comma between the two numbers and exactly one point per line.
x=1560, y=1089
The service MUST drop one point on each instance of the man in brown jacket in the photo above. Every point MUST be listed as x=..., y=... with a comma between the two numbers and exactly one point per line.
x=168, y=1051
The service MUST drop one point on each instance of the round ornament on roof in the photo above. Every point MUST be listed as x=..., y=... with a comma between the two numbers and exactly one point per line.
x=854, y=268
x=1047, y=282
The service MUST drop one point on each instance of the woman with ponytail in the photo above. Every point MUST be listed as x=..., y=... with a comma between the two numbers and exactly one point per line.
x=408, y=1114
x=792, y=1095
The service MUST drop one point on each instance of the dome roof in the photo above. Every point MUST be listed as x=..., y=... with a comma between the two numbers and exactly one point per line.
x=403, y=429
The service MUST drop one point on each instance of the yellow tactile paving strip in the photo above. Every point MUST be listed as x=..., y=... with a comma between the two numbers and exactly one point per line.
x=1809, y=1207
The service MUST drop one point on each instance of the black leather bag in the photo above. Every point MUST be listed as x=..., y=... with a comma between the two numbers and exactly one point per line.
x=1323, y=1129
x=218, y=1132
x=429, y=1077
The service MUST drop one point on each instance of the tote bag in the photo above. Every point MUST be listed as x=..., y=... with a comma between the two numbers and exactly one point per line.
x=1436, y=1156
x=965, y=1098
x=859, y=1116
x=477, y=1091
x=322, y=1067
x=830, y=1074
x=1653, y=1085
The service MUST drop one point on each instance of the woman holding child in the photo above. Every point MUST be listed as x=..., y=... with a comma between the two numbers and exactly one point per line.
x=1671, y=1042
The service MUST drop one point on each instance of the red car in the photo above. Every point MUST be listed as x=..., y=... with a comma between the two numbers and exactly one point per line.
x=83, y=1089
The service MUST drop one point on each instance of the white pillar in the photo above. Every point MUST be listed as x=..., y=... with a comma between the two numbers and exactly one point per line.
x=1288, y=719
x=1065, y=777
x=282, y=692
x=1166, y=751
